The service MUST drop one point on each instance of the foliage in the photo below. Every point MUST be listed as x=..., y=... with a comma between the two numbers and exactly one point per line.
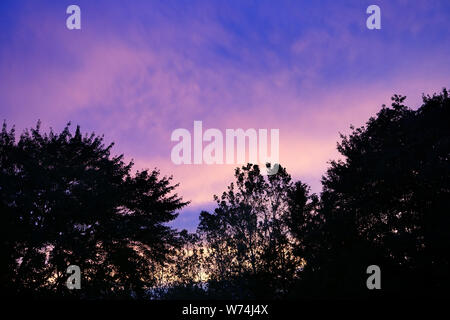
x=250, y=237
x=64, y=200
x=386, y=203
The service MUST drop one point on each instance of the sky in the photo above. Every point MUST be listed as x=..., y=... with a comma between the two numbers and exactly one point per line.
x=138, y=70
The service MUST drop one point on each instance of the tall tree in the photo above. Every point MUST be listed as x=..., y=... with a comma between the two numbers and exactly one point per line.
x=65, y=200
x=249, y=237
x=387, y=203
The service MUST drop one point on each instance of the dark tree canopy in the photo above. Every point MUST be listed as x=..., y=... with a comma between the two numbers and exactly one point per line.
x=251, y=236
x=65, y=200
x=387, y=203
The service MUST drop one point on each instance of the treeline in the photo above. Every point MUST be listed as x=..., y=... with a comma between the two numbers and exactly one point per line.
x=65, y=200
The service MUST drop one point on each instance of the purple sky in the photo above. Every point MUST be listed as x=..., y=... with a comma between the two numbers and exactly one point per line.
x=137, y=70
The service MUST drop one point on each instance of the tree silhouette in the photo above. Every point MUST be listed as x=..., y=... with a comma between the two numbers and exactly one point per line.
x=65, y=200
x=386, y=203
x=249, y=237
